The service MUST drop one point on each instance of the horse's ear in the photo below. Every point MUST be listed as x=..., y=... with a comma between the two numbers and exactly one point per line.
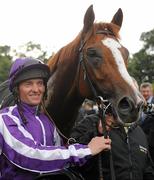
x=118, y=18
x=88, y=19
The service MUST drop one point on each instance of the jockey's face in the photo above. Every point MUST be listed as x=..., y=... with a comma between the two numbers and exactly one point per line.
x=32, y=91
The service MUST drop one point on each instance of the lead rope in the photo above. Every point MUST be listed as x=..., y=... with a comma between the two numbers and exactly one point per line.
x=112, y=166
x=101, y=112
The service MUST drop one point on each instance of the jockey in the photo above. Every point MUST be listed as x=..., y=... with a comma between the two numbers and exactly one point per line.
x=29, y=141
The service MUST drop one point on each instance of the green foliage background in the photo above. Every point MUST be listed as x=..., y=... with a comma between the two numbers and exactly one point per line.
x=141, y=65
x=7, y=55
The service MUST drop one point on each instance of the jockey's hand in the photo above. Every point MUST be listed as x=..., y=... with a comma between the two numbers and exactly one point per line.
x=98, y=144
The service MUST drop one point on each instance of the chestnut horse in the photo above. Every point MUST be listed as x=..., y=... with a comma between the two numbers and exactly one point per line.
x=93, y=64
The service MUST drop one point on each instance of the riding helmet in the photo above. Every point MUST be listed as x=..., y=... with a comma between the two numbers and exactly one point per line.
x=27, y=68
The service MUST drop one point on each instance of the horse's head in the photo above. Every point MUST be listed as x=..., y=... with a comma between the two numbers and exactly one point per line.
x=103, y=67
x=94, y=63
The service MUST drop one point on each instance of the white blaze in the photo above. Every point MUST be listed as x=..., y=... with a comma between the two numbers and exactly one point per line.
x=114, y=46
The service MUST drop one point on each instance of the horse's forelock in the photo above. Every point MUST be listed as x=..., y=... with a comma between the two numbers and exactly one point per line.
x=107, y=26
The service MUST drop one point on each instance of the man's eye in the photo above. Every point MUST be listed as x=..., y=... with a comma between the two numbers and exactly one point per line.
x=28, y=84
x=40, y=83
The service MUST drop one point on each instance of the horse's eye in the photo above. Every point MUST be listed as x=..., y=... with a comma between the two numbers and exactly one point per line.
x=91, y=52
x=94, y=57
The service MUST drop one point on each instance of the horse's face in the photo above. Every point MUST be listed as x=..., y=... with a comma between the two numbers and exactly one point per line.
x=106, y=62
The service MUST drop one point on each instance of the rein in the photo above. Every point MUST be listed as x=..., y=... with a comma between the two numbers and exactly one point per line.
x=83, y=64
x=98, y=99
x=86, y=75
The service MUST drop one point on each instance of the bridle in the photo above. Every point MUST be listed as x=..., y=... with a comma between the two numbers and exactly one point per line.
x=82, y=64
x=98, y=99
x=95, y=92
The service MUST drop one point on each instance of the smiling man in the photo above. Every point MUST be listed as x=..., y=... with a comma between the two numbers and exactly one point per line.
x=30, y=144
x=147, y=118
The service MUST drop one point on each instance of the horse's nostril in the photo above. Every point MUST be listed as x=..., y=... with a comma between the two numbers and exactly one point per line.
x=128, y=111
x=125, y=105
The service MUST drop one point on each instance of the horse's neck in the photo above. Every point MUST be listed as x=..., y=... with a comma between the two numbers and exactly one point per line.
x=63, y=109
x=63, y=97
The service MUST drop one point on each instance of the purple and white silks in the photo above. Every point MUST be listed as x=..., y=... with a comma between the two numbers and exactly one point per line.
x=36, y=146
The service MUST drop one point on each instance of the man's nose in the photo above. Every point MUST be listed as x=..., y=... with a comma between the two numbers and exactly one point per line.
x=35, y=87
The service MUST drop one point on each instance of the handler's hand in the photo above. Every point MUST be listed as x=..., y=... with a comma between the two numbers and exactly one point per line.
x=98, y=144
